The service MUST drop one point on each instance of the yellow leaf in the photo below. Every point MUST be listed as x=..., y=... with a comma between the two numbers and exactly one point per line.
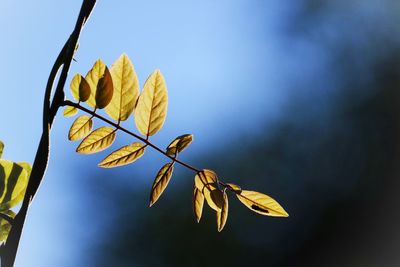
x=97, y=141
x=261, y=204
x=179, y=144
x=13, y=182
x=5, y=226
x=80, y=128
x=105, y=90
x=151, y=109
x=198, y=202
x=235, y=188
x=126, y=89
x=222, y=215
x=70, y=111
x=1, y=148
x=207, y=182
x=161, y=182
x=92, y=78
x=123, y=156
x=80, y=88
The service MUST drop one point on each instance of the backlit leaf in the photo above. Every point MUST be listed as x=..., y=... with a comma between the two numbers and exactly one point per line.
x=237, y=189
x=126, y=89
x=207, y=182
x=80, y=88
x=97, y=141
x=198, y=203
x=161, y=182
x=105, y=90
x=80, y=128
x=70, y=111
x=123, y=156
x=151, y=109
x=261, y=204
x=1, y=149
x=5, y=226
x=222, y=215
x=92, y=77
x=179, y=144
x=28, y=168
x=13, y=181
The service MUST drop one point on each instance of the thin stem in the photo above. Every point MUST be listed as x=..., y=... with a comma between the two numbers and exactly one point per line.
x=119, y=127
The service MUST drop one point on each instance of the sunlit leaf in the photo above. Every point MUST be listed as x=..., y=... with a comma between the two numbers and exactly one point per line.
x=80, y=128
x=92, y=78
x=80, y=88
x=179, y=144
x=261, y=204
x=126, y=89
x=237, y=189
x=13, y=181
x=222, y=215
x=105, y=90
x=5, y=226
x=151, y=109
x=161, y=182
x=198, y=203
x=207, y=182
x=97, y=141
x=70, y=111
x=1, y=149
x=28, y=168
x=123, y=156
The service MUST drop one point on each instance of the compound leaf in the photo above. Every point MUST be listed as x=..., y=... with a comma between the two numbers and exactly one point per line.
x=80, y=128
x=126, y=89
x=222, y=215
x=151, y=109
x=70, y=111
x=92, y=77
x=123, y=156
x=13, y=182
x=198, y=203
x=179, y=144
x=105, y=90
x=80, y=88
x=161, y=182
x=207, y=182
x=261, y=204
x=97, y=141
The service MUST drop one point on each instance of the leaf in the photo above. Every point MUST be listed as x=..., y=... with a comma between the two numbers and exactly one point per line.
x=235, y=188
x=28, y=168
x=151, y=109
x=198, y=203
x=179, y=144
x=70, y=111
x=97, y=141
x=261, y=204
x=222, y=215
x=80, y=128
x=104, y=90
x=80, y=88
x=126, y=89
x=207, y=182
x=92, y=77
x=161, y=182
x=1, y=149
x=123, y=156
x=13, y=181
x=5, y=226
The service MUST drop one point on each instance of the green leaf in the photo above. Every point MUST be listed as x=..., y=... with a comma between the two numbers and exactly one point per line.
x=198, y=203
x=5, y=226
x=1, y=149
x=13, y=182
x=261, y=204
x=151, y=109
x=80, y=128
x=70, y=111
x=126, y=89
x=104, y=90
x=97, y=141
x=123, y=156
x=179, y=144
x=161, y=182
x=80, y=88
x=92, y=77
x=222, y=215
